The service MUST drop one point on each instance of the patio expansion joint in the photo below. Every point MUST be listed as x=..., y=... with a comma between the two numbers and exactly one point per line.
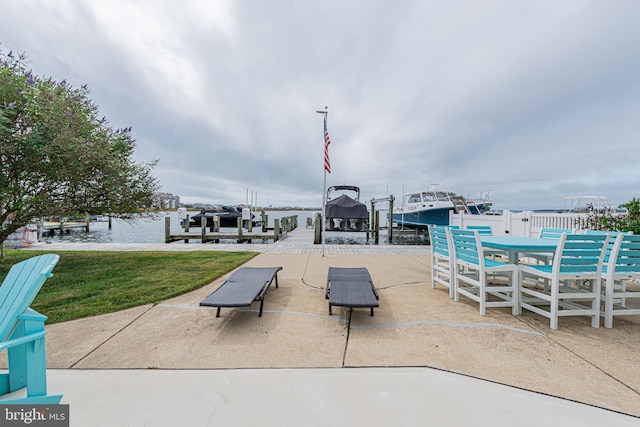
x=346, y=342
x=73, y=365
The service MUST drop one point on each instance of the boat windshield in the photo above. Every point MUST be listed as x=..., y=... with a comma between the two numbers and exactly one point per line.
x=441, y=195
x=429, y=197
x=414, y=198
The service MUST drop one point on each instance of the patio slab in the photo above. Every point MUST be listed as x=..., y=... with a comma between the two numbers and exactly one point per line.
x=415, y=326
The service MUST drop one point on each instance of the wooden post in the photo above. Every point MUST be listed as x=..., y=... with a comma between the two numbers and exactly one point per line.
x=167, y=229
x=203, y=229
x=240, y=229
x=317, y=232
x=372, y=220
x=40, y=229
x=87, y=221
x=186, y=227
x=390, y=221
x=110, y=224
x=276, y=230
x=216, y=227
x=377, y=238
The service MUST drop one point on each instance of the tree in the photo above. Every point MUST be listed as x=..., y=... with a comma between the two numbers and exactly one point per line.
x=58, y=158
x=608, y=219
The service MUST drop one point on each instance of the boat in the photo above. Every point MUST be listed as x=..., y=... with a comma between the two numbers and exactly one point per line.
x=586, y=204
x=228, y=216
x=345, y=213
x=432, y=207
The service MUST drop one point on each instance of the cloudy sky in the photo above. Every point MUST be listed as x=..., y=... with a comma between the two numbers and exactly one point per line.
x=533, y=100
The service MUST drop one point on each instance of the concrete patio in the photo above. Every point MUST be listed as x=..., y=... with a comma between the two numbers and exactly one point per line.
x=421, y=358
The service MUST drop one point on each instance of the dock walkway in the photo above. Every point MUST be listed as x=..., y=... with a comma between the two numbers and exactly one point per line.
x=297, y=241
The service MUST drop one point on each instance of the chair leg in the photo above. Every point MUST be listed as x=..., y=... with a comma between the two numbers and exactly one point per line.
x=515, y=293
x=554, y=304
x=595, y=304
x=608, y=304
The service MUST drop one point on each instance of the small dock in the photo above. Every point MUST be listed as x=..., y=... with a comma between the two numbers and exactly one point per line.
x=62, y=226
x=281, y=227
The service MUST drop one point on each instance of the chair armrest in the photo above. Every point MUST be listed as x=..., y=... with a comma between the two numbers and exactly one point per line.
x=21, y=340
x=31, y=314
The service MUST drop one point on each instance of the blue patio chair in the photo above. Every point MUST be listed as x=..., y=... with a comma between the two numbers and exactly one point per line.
x=472, y=271
x=623, y=264
x=22, y=332
x=612, y=238
x=578, y=260
x=483, y=230
x=552, y=234
x=442, y=265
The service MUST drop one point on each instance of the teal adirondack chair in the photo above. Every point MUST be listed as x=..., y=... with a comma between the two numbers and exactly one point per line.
x=22, y=333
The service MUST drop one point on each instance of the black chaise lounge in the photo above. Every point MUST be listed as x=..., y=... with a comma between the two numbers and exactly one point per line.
x=351, y=287
x=246, y=285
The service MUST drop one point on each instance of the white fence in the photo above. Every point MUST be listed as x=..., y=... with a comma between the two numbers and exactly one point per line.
x=525, y=223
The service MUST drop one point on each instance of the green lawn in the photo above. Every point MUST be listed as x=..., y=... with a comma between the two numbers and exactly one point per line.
x=88, y=283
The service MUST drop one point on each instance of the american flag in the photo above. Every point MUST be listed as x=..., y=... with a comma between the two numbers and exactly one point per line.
x=327, y=141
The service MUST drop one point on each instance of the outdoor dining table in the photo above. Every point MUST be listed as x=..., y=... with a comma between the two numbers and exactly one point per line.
x=519, y=246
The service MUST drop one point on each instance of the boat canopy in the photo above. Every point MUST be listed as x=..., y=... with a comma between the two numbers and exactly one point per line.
x=345, y=207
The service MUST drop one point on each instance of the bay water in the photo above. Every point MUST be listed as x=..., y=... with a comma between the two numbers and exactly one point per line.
x=151, y=230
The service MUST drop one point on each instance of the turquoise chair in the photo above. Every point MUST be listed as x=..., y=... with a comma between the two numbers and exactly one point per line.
x=441, y=259
x=22, y=332
x=577, y=261
x=473, y=270
x=622, y=265
x=483, y=230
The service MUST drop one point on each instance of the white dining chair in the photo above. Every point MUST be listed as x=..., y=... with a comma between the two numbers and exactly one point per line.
x=442, y=266
x=623, y=265
x=551, y=234
x=473, y=271
x=574, y=280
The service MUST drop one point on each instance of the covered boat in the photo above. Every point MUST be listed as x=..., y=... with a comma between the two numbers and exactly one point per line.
x=432, y=207
x=344, y=213
x=228, y=216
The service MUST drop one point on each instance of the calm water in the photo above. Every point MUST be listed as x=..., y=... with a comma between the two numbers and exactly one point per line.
x=151, y=230
x=146, y=230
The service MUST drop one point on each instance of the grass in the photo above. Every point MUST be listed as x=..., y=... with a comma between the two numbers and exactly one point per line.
x=89, y=283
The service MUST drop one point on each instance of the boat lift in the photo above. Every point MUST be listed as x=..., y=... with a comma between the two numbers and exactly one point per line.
x=375, y=218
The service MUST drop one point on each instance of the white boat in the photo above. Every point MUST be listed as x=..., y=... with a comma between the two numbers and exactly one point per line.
x=581, y=204
x=432, y=207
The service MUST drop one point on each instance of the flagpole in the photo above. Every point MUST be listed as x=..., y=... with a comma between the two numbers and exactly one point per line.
x=324, y=183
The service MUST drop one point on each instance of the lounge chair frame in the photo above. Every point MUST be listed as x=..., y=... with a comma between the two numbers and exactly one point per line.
x=350, y=287
x=242, y=288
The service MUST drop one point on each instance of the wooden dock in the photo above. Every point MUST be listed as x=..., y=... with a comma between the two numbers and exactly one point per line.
x=240, y=235
x=63, y=226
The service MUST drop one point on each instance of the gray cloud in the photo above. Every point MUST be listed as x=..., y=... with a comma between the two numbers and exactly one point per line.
x=532, y=100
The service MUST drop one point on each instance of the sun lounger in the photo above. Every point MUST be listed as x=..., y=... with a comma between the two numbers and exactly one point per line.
x=246, y=285
x=350, y=287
